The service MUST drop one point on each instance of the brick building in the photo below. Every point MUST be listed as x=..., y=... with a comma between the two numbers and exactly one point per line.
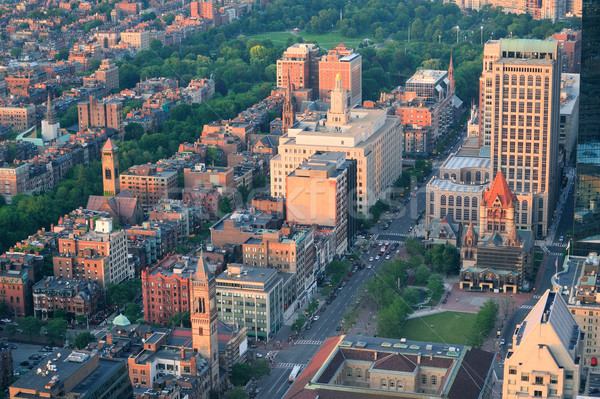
x=98, y=254
x=299, y=66
x=18, y=273
x=150, y=184
x=348, y=64
x=72, y=296
x=20, y=118
x=94, y=113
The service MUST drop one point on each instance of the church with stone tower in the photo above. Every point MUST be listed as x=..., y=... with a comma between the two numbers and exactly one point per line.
x=496, y=255
x=110, y=168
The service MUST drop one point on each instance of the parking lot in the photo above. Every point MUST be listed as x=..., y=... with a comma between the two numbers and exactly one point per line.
x=23, y=352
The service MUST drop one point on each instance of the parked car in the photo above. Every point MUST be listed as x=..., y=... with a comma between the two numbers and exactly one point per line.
x=316, y=317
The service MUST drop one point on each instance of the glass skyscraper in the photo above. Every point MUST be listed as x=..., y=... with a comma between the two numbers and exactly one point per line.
x=586, y=225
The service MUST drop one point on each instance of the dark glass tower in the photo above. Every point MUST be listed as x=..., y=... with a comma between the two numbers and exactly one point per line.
x=586, y=225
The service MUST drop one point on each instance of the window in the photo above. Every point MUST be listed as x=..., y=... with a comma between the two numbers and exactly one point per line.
x=512, y=370
x=537, y=394
x=348, y=372
x=539, y=380
x=433, y=380
x=524, y=377
x=424, y=379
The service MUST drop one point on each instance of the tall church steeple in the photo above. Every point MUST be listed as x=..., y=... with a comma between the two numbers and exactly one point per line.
x=110, y=168
x=288, y=115
x=50, y=114
x=203, y=316
x=451, y=76
x=339, y=112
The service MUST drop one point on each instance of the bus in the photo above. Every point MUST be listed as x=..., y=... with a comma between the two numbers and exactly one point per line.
x=294, y=373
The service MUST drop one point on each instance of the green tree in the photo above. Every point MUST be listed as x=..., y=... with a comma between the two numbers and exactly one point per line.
x=236, y=393
x=225, y=206
x=119, y=294
x=129, y=76
x=63, y=54
x=133, y=131
x=81, y=319
x=484, y=322
x=181, y=319
x=436, y=286
x=133, y=312
x=3, y=309
x=414, y=247
x=411, y=296
x=244, y=192
x=56, y=330
x=30, y=325
x=260, y=368
x=241, y=374
x=298, y=323
x=392, y=318
x=70, y=118
x=168, y=18
x=422, y=275
x=212, y=155
x=16, y=52
x=82, y=340
x=59, y=314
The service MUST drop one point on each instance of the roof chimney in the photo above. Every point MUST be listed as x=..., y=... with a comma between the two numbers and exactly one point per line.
x=419, y=358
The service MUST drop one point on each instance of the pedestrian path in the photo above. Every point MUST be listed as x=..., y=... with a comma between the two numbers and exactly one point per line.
x=271, y=354
x=289, y=365
x=308, y=342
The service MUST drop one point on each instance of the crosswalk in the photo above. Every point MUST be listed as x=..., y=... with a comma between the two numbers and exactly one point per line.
x=555, y=253
x=526, y=307
x=308, y=342
x=537, y=296
x=271, y=354
x=289, y=365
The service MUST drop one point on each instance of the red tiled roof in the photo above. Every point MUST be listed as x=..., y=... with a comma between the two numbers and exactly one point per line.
x=395, y=362
x=297, y=390
x=499, y=189
x=109, y=146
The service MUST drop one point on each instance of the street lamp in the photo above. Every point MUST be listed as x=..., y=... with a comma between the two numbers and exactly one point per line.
x=457, y=30
x=482, y=35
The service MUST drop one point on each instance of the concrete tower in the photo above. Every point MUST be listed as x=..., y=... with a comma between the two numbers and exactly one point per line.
x=204, y=318
x=339, y=112
x=110, y=168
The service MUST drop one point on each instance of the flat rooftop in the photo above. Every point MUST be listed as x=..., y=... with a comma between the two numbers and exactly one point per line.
x=248, y=274
x=458, y=162
x=448, y=185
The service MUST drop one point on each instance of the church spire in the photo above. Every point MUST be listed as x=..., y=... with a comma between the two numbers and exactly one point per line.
x=288, y=115
x=202, y=272
x=451, y=74
x=50, y=114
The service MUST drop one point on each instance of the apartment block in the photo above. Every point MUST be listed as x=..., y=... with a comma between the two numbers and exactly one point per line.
x=94, y=113
x=99, y=254
x=319, y=192
x=150, y=184
x=298, y=67
x=369, y=136
x=545, y=358
x=108, y=75
x=139, y=40
x=72, y=296
x=18, y=273
x=520, y=109
x=569, y=115
x=253, y=298
x=342, y=61
x=20, y=118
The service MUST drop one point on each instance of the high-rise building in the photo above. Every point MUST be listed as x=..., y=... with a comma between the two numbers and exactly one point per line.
x=149, y=183
x=110, y=168
x=203, y=315
x=544, y=360
x=108, y=74
x=342, y=61
x=586, y=228
x=95, y=113
x=520, y=109
x=369, y=136
x=299, y=65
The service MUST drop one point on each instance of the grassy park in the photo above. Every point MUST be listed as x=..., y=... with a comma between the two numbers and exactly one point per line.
x=325, y=40
x=448, y=327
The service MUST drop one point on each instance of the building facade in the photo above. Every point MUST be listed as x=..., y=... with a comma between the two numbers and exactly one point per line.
x=150, y=184
x=298, y=67
x=76, y=297
x=520, y=106
x=20, y=118
x=94, y=113
x=110, y=168
x=344, y=62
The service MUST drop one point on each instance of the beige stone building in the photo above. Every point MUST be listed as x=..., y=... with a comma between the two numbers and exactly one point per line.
x=520, y=109
x=317, y=194
x=140, y=40
x=359, y=366
x=20, y=118
x=371, y=137
x=583, y=299
x=545, y=359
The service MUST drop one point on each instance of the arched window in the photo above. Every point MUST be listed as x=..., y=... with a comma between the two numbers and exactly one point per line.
x=513, y=79
x=524, y=205
x=530, y=80
x=459, y=201
x=398, y=385
x=424, y=379
x=383, y=383
x=451, y=200
x=443, y=200
x=474, y=202
x=391, y=383
x=522, y=80
x=468, y=176
x=538, y=80
x=432, y=196
x=358, y=373
x=505, y=79
x=433, y=380
x=478, y=176
x=466, y=201
x=517, y=205
x=453, y=176
x=446, y=176
x=348, y=372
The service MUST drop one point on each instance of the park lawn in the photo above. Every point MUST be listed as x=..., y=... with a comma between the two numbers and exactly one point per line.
x=325, y=40
x=448, y=327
